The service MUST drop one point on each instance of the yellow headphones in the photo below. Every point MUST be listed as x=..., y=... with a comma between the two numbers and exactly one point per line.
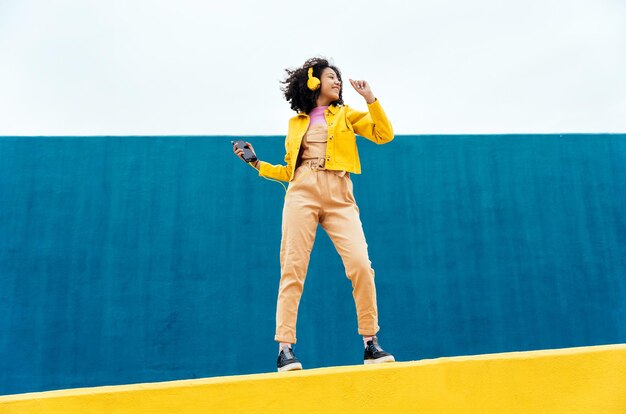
x=313, y=83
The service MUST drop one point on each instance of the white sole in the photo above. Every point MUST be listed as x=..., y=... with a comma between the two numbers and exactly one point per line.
x=388, y=358
x=291, y=367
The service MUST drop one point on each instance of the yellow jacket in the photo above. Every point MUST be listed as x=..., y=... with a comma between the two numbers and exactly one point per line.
x=341, y=151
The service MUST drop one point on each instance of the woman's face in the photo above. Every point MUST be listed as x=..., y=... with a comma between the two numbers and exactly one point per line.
x=331, y=85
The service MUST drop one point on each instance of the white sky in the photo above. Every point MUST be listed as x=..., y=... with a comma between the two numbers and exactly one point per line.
x=133, y=67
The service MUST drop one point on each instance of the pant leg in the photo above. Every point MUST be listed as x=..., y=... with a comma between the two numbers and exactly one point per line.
x=341, y=221
x=300, y=220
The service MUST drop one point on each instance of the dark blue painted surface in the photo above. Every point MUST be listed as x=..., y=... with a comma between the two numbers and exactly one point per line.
x=140, y=259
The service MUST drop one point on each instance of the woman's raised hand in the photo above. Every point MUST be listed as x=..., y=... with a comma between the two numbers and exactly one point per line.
x=363, y=89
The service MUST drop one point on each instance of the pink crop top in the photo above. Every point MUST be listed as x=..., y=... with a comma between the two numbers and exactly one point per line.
x=317, y=115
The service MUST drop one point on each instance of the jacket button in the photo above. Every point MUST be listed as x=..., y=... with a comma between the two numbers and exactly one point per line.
x=331, y=137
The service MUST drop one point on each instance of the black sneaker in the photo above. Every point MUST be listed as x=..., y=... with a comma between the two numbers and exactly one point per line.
x=287, y=361
x=374, y=354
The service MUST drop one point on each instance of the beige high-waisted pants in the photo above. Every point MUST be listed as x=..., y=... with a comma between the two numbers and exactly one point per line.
x=324, y=197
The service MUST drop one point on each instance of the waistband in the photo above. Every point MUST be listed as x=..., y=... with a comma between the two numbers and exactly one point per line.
x=314, y=163
x=318, y=164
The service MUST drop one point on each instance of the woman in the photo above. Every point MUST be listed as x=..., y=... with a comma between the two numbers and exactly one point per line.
x=321, y=153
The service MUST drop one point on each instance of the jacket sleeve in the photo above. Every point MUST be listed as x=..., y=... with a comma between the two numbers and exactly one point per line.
x=277, y=172
x=372, y=125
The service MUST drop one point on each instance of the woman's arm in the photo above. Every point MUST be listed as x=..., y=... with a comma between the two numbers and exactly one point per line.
x=277, y=172
x=373, y=124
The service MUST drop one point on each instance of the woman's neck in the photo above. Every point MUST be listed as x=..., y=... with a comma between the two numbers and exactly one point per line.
x=321, y=101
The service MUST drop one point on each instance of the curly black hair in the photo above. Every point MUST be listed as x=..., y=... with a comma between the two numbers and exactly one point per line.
x=299, y=96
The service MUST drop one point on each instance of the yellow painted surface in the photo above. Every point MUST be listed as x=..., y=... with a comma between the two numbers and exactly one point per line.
x=571, y=380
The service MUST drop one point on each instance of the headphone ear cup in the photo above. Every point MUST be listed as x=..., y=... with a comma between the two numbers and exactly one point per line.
x=313, y=83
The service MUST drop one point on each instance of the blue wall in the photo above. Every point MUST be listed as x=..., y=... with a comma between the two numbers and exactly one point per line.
x=139, y=259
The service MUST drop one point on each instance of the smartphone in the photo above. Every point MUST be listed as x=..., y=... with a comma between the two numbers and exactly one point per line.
x=248, y=155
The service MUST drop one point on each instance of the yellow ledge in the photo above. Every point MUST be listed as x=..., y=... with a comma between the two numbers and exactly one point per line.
x=571, y=380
